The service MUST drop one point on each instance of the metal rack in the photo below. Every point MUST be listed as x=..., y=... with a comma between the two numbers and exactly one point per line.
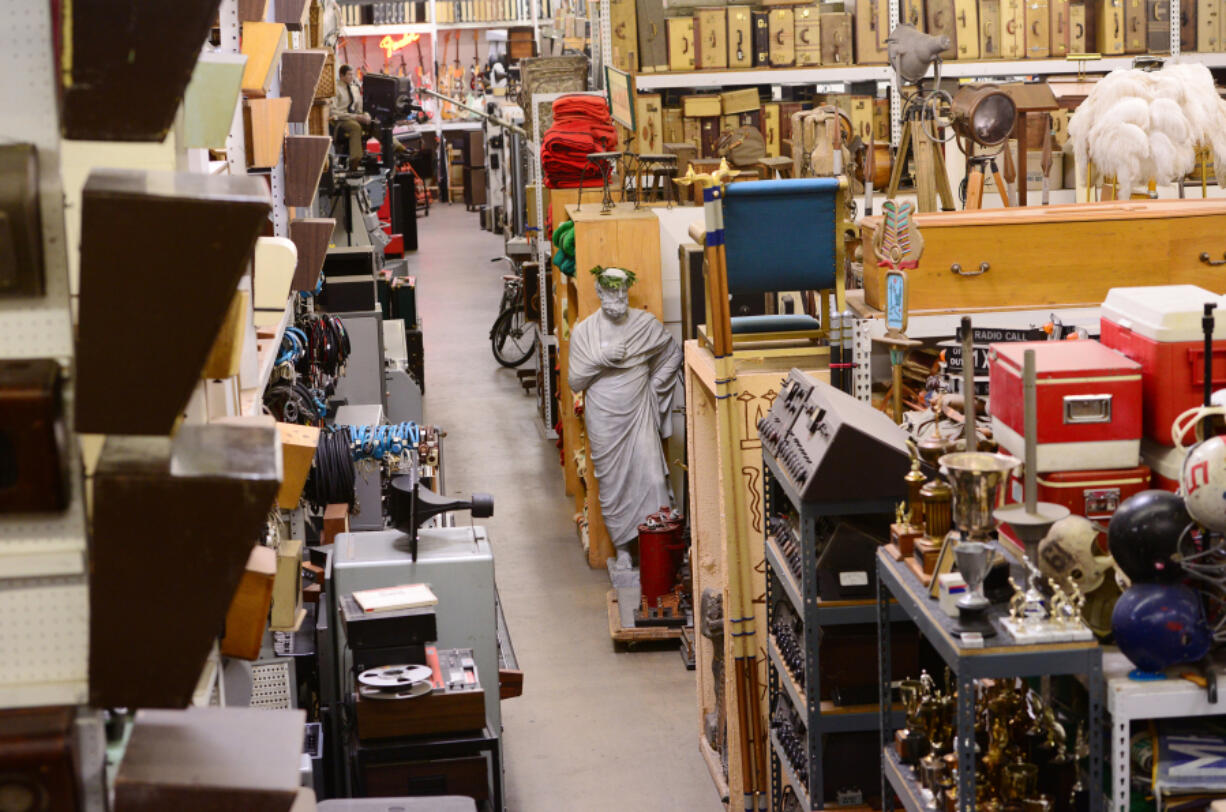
x=815, y=613
x=1001, y=659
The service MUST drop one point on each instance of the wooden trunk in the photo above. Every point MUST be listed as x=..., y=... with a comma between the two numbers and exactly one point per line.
x=989, y=29
x=1134, y=26
x=740, y=37
x=711, y=38
x=941, y=22
x=623, y=34
x=1187, y=27
x=836, y=38
x=1059, y=27
x=770, y=128
x=1077, y=28
x=649, y=118
x=808, y=40
x=782, y=38
x=1158, y=26
x=681, y=43
x=966, y=25
x=1037, y=257
x=653, y=42
x=1012, y=29
x=1111, y=27
x=872, y=27
x=1038, y=34
x=761, y=38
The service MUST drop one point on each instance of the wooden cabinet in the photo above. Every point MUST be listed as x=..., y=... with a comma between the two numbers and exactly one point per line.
x=872, y=27
x=1134, y=26
x=740, y=37
x=1059, y=27
x=941, y=23
x=711, y=38
x=782, y=38
x=624, y=35
x=1111, y=27
x=808, y=41
x=966, y=28
x=1012, y=29
x=653, y=42
x=681, y=43
x=989, y=29
x=1038, y=34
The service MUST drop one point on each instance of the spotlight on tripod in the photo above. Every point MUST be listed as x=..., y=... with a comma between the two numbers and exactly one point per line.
x=982, y=117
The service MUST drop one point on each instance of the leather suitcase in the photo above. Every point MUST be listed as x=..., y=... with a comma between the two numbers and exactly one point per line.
x=708, y=134
x=770, y=129
x=786, y=111
x=740, y=37
x=881, y=121
x=872, y=27
x=782, y=35
x=1134, y=26
x=653, y=39
x=1158, y=26
x=1038, y=34
x=649, y=119
x=911, y=11
x=1208, y=37
x=941, y=20
x=1187, y=27
x=761, y=38
x=1221, y=32
x=1077, y=28
x=808, y=40
x=1110, y=29
x=673, y=132
x=861, y=116
x=836, y=38
x=966, y=26
x=624, y=35
x=692, y=132
x=1013, y=29
x=989, y=29
x=711, y=38
x=1058, y=27
x=1093, y=494
x=681, y=43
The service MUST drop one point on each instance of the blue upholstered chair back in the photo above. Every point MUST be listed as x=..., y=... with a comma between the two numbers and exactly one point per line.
x=780, y=234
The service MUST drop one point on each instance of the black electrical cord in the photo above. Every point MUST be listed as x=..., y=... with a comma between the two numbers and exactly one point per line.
x=331, y=480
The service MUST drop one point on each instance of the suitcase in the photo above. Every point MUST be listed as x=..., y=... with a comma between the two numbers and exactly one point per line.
x=692, y=132
x=1159, y=327
x=1077, y=28
x=872, y=27
x=912, y=11
x=1187, y=27
x=966, y=26
x=881, y=121
x=782, y=34
x=711, y=38
x=807, y=43
x=653, y=39
x=708, y=134
x=1134, y=26
x=1058, y=27
x=1038, y=34
x=673, y=132
x=624, y=35
x=861, y=116
x=1093, y=494
x=649, y=119
x=1089, y=402
x=1111, y=27
x=770, y=128
x=761, y=38
x=1221, y=30
x=681, y=43
x=740, y=37
x=1013, y=29
x=941, y=20
x=836, y=38
x=1158, y=26
x=989, y=29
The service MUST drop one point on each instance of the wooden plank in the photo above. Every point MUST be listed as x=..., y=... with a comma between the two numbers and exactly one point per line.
x=292, y=13
x=635, y=634
x=227, y=353
x=311, y=236
x=264, y=123
x=208, y=102
x=304, y=163
x=300, y=72
x=253, y=11
x=298, y=444
x=262, y=43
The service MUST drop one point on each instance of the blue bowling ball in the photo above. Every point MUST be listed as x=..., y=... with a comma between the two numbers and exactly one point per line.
x=1160, y=625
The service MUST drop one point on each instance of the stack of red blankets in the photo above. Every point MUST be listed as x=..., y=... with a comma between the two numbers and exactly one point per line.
x=581, y=125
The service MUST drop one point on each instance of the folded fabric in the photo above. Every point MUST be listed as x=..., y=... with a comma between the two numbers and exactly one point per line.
x=581, y=126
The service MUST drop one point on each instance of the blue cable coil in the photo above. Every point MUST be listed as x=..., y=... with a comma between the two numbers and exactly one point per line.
x=377, y=442
x=293, y=346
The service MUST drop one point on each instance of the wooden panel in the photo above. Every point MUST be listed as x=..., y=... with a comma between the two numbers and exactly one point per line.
x=989, y=29
x=311, y=237
x=292, y=13
x=681, y=43
x=1111, y=27
x=650, y=121
x=208, y=102
x=227, y=353
x=624, y=34
x=298, y=445
x=124, y=73
x=247, y=617
x=653, y=41
x=304, y=163
x=252, y=11
x=137, y=321
x=1038, y=33
x=872, y=24
x=1059, y=27
x=264, y=123
x=711, y=38
x=272, y=275
x=740, y=37
x=782, y=38
x=1134, y=26
x=807, y=39
x=300, y=72
x=941, y=22
x=262, y=43
x=287, y=609
x=836, y=39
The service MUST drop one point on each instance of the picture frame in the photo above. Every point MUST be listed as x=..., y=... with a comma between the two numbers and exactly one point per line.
x=619, y=88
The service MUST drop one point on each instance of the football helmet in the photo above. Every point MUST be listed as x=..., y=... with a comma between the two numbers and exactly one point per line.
x=1067, y=555
x=1144, y=536
x=1203, y=483
x=1160, y=625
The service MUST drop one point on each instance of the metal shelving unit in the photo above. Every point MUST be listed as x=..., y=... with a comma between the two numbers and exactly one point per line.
x=1000, y=659
x=820, y=717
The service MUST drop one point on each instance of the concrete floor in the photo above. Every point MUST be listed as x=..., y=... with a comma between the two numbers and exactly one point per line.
x=595, y=729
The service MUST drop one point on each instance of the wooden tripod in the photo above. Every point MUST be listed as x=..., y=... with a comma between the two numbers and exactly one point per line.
x=931, y=178
x=974, y=181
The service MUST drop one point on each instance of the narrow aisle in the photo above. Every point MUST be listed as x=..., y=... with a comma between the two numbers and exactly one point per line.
x=595, y=729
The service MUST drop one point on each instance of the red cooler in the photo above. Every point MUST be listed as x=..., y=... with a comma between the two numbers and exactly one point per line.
x=1159, y=327
x=1093, y=494
x=1089, y=401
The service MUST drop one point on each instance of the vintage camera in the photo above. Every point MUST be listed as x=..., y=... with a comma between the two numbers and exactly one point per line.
x=388, y=99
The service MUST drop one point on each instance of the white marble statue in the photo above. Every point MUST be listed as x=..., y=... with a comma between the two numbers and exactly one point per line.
x=627, y=365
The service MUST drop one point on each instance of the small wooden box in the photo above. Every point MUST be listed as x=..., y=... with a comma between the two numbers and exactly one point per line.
x=336, y=521
x=681, y=43
x=782, y=38
x=247, y=617
x=926, y=553
x=808, y=33
x=287, y=611
x=298, y=445
x=711, y=38
x=836, y=38
x=740, y=37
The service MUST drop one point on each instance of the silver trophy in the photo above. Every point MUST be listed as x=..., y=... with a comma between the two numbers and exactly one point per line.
x=974, y=558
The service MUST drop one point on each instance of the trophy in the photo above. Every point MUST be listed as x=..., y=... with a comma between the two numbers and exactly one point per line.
x=976, y=478
x=974, y=558
x=912, y=745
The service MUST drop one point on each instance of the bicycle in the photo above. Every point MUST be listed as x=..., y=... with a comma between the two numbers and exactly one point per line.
x=513, y=337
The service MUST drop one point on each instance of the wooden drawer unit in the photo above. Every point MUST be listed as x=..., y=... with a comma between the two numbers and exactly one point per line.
x=1111, y=27
x=872, y=27
x=1059, y=26
x=1134, y=26
x=941, y=21
x=808, y=42
x=1038, y=32
x=1077, y=41
x=711, y=38
x=624, y=35
x=653, y=40
x=740, y=37
x=681, y=43
x=649, y=118
x=836, y=38
x=782, y=38
x=989, y=29
x=966, y=27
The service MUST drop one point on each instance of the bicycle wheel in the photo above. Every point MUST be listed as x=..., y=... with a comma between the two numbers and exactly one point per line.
x=513, y=337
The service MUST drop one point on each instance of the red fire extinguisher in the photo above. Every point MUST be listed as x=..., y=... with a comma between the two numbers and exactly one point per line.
x=660, y=548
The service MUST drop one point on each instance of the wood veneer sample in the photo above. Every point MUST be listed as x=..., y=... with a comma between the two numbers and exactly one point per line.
x=304, y=163
x=125, y=70
x=312, y=236
x=262, y=43
x=252, y=11
x=174, y=522
x=208, y=102
x=211, y=758
x=264, y=123
x=161, y=256
x=300, y=72
x=226, y=356
x=293, y=13
x=272, y=275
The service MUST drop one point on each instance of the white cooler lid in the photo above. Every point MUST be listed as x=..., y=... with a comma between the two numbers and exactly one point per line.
x=1165, y=313
x=1162, y=459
